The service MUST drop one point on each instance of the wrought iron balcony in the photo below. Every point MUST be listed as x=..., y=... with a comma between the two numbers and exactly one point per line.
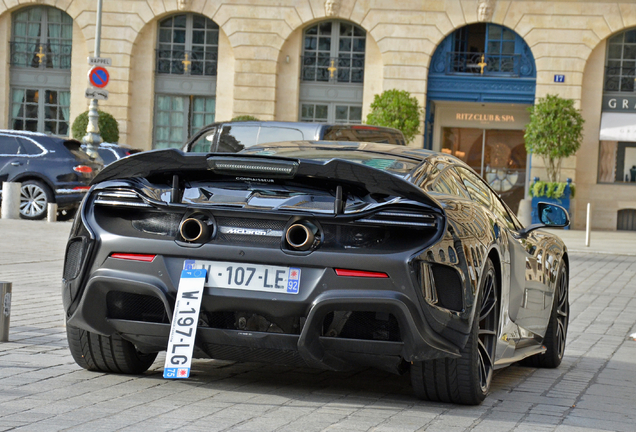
x=485, y=64
x=619, y=79
x=35, y=55
x=181, y=62
x=348, y=68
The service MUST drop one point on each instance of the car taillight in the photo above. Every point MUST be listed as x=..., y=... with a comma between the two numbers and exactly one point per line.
x=133, y=257
x=81, y=188
x=361, y=273
x=83, y=169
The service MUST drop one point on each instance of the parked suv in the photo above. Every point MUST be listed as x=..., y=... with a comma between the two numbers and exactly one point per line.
x=232, y=137
x=51, y=169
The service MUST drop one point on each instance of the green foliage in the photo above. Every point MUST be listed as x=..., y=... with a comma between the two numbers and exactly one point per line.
x=396, y=109
x=555, y=132
x=245, y=118
x=108, y=127
x=550, y=189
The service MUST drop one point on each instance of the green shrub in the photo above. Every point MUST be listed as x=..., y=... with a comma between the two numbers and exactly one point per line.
x=550, y=189
x=396, y=109
x=245, y=118
x=108, y=127
x=555, y=132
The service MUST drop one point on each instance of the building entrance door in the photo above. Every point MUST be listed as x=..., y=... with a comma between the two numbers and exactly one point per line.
x=498, y=155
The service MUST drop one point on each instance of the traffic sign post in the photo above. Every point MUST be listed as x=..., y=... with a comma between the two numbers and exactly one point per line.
x=98, y=76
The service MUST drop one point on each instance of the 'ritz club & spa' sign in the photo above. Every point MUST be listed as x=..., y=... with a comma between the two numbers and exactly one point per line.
x=504, y=118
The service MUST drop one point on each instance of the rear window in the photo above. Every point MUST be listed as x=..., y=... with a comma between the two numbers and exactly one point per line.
x=393, y=164
x=278, y=134
x=76, y=150
x=363, y=133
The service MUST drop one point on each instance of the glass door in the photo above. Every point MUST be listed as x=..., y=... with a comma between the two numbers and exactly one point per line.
x=499, y=156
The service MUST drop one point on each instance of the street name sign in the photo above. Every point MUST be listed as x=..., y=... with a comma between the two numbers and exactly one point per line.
x=99, y=61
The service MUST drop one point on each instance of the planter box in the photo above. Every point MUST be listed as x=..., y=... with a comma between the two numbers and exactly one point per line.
x=564, y=201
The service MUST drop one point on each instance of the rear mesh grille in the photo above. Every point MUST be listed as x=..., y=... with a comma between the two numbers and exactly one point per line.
x=135, y=307
x=449, y=287
x=74, y=258
x=261, y=355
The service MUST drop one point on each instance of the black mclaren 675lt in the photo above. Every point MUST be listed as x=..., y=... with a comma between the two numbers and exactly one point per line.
x=318, y=254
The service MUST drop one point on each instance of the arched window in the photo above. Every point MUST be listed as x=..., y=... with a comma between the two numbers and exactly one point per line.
x=185, y=82
x=41, y=42
x=332, y=73
x=620, y=70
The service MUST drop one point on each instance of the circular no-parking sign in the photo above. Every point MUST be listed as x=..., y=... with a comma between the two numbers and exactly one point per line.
x=98, y=77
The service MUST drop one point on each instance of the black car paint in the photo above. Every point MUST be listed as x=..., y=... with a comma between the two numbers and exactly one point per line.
x=53, y=166
x=468, y=234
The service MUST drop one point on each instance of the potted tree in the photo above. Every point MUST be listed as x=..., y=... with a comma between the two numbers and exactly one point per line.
x=554, y=132
x=396, y=109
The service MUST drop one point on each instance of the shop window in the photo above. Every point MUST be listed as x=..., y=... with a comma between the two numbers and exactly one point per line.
x=617, y=162
x=626, y=220
x=498, y=156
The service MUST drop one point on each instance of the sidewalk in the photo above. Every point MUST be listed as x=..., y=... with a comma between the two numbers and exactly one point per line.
x=602, y=242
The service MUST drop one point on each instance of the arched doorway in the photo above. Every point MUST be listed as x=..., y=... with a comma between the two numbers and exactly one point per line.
x=332, y=73
x=481, y=81
x=40, y=70
x=185, y=78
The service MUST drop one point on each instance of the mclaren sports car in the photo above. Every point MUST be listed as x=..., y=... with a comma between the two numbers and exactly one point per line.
x=314, y=254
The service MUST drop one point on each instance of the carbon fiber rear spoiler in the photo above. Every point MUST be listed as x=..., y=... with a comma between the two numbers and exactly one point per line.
x=260, y=167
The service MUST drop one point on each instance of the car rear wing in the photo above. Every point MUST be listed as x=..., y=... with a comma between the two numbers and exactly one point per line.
x=264, y=169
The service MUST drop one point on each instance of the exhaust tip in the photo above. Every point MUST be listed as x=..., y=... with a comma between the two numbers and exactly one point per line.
x=301, y=236
x=194, y=230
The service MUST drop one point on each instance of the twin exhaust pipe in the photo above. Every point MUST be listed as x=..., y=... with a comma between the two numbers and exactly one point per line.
x=300, y=236
x=195, y=230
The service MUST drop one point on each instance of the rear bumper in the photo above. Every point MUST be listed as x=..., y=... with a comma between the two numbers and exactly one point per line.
x=310, y=347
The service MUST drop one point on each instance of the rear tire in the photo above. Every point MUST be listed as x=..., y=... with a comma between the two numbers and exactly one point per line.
x=465, y=380
x=111, y=354
x=34, y=199
x=556, y=334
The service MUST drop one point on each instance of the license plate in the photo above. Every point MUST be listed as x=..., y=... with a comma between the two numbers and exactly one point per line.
x=252, y=277
x=184, y=324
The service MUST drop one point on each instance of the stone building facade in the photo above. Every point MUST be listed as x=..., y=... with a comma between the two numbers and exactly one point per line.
x=475, y=65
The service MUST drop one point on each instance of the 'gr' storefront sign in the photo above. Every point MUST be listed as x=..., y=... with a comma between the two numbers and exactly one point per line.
x=619, y=103
x=479, y=117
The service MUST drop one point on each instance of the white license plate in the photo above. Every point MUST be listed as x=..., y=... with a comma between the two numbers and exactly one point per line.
x=184, y=324
x=252, y=277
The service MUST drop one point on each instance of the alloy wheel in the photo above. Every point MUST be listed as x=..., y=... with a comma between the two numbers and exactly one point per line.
x=487, y=338
x=33, y=200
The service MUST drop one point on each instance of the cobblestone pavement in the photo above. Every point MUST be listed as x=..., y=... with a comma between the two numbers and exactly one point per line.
x=42, y=389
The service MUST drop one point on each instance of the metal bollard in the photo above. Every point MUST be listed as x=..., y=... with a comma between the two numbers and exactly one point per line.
x=5, y=310
x=51, y=212
x=11, y=200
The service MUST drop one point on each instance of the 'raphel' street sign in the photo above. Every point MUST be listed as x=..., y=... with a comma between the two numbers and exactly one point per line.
x=99, y=61
x=99, y=94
